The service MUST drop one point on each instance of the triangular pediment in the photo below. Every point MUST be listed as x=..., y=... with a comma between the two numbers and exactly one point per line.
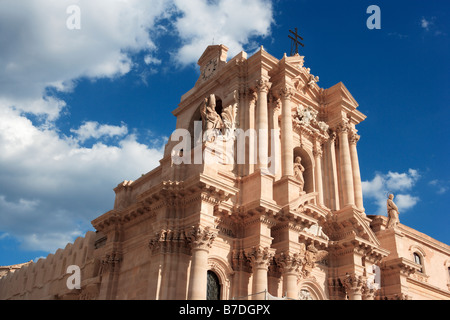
x=214, y=51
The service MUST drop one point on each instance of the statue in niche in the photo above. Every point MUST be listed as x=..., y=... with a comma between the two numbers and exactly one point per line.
x=219, y=126
x=211, y=119
x=298, y=171
x=393, y=213
x=212, y=122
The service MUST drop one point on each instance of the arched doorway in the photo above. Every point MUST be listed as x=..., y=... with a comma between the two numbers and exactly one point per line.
x=213, y=286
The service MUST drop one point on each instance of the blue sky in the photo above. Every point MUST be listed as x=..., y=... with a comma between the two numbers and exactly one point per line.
x=82, y=110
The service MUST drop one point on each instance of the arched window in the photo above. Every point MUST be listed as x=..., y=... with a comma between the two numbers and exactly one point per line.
x=418, y=260
x=213, y=286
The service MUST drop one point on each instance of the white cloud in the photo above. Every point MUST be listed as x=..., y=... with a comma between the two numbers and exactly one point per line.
x=39, y=51
x=52, y=185
x=400, y=184
x=425, y=24
x=92, y=129
x=229, y=22
x=441, y=186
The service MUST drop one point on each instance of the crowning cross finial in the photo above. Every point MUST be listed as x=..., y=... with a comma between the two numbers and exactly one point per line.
x=295, y=42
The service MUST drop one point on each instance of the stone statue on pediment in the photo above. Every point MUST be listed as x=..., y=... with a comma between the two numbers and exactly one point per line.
x=393, y=213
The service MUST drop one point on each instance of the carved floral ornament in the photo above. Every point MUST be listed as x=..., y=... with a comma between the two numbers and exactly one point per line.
x=307, y=116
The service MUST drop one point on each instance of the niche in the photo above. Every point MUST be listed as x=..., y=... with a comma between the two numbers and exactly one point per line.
x=308, y=174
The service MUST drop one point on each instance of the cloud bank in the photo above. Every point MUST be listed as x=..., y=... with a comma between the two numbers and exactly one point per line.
x=52, y=184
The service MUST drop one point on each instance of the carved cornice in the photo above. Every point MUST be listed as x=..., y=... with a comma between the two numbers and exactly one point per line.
x=400, y=265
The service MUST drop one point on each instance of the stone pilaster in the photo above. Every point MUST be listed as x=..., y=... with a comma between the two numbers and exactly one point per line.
x=287, y=152
x=333, y=173
x=290, y=264
x=262, y=123
x=317, y=152
x=345, y=166
x=356, y=171
x=260, y=258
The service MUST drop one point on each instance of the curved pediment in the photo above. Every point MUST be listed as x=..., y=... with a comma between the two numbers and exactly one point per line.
x=302, y=200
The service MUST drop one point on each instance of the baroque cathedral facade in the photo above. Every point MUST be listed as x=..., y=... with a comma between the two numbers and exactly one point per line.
x=258, y=196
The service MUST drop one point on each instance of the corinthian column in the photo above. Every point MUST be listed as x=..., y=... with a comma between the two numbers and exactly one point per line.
x=287, y=152
x=290, y=264
x=260, y=259
x=317, y=152
x=354, y=286
x=333, y=177
x=262, y=123
x=345, y=166
x=356, y=172
x=201, y=240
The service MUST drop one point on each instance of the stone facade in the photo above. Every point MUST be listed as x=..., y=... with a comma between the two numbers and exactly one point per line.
x=278, y=212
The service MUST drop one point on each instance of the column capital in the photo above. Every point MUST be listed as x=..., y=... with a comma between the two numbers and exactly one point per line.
x=354, y=137
x=317, y=152
x=353, y=285
x=343, y=127
x=289, y=262
x=333, y=136
x=263, y=85
x=260, y=257
x=201, y=238
x=286, y=92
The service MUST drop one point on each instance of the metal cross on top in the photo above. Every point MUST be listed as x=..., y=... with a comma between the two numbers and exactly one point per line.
x=295, y=42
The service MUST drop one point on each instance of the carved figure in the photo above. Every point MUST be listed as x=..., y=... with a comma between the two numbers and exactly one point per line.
x=392, y=213
x=211, y=119
x=313, y=255
x=298, y=171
